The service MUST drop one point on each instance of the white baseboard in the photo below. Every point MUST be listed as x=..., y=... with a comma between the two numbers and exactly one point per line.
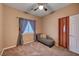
x=28, y=42
x=12, y=47
x=7, y=48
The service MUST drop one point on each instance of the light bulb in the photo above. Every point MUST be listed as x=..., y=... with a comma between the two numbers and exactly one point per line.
x=41, y=7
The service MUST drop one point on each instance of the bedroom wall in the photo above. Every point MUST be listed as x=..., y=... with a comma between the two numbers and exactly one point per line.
x=1, y=18
x=11, y=25
x=50, y=22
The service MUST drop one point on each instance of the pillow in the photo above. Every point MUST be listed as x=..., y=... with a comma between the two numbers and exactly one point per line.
x=43, y=36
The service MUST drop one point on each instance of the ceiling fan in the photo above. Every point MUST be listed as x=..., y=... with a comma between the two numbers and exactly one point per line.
x=41, y=6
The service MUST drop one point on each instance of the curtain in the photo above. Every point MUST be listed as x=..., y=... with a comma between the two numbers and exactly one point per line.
x=33, y=25
x=32, y=22
x=22, y=25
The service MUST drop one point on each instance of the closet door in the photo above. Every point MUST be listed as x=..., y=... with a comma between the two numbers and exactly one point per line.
x=64, y=32
x=74, y=33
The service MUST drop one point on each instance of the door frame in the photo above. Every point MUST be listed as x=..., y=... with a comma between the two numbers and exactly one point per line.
x=67, y=31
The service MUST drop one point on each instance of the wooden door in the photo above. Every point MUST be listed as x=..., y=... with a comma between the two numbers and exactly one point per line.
x=64, y=32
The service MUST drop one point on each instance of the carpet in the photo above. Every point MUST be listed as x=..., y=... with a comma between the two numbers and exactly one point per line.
x=37, y=49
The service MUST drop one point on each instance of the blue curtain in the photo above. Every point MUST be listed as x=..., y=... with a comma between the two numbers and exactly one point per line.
x=22, y=25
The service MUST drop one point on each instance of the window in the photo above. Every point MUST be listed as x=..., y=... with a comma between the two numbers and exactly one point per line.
x=28, y=28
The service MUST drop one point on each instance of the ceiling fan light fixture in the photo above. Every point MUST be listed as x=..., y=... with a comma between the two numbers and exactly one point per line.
x=41, y=7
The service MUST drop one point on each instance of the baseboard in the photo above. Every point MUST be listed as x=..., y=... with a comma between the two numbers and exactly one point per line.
x=7, y=48
x=12, y=47
x=28, y=42
x=15, y=45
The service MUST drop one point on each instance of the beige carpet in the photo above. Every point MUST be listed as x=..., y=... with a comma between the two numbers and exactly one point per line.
x=37, y=49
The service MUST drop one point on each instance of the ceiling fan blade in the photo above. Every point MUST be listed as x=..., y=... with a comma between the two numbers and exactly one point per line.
x=35, y=9
x=45, y=9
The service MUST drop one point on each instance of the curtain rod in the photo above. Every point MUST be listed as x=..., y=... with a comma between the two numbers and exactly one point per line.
x=18, y=17
x=23, y=18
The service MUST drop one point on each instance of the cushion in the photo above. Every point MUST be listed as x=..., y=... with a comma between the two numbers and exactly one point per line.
x=43, y=36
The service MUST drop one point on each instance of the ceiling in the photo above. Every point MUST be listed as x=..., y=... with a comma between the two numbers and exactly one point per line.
x=28, y=7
